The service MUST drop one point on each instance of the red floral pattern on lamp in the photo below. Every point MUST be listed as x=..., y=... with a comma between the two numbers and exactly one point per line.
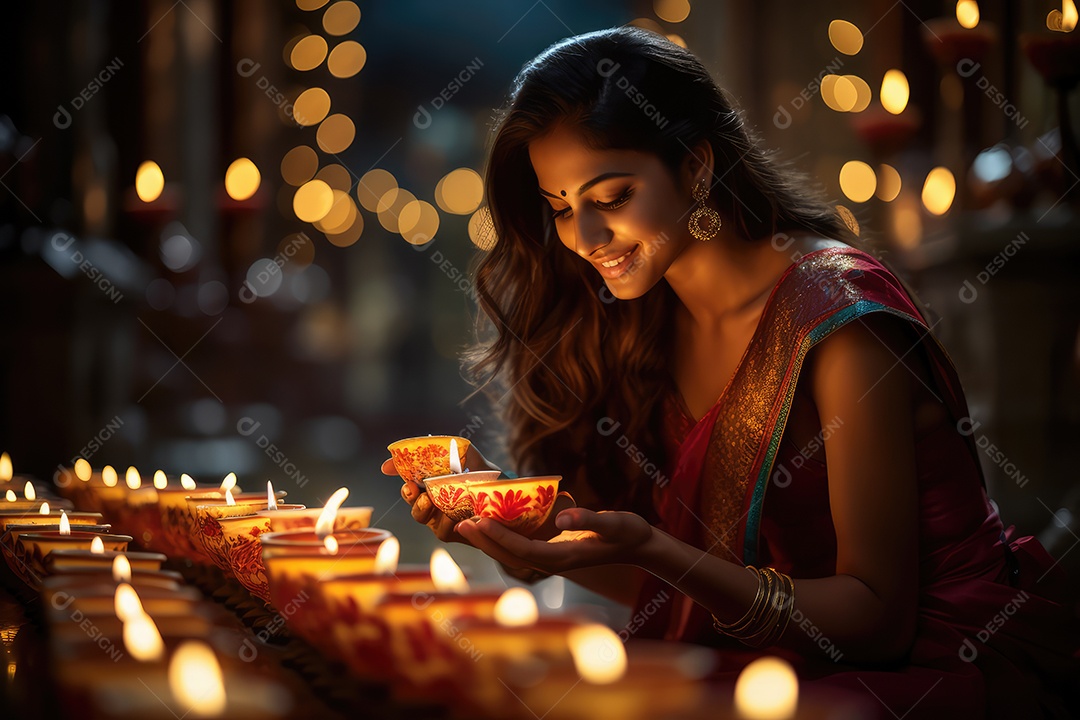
x=423, y=457
x=522, y=505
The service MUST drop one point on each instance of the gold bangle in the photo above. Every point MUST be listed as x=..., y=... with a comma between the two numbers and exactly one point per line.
x=770, y=613
x=751, y=613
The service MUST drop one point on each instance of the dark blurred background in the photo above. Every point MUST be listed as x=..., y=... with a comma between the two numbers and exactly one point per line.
x=162, y=308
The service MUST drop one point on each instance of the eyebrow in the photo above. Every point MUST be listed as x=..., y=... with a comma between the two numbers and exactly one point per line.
x=589, y=184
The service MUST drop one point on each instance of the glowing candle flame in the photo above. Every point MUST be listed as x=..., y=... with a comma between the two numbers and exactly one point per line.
x=65, y=524
x=894, y=91
x=109, y=478
x=126, y=602
x=5, y=467
x=11, y=496
x=767, y=689
x=45, y=509
x=121, y=569
x=142, y=638
x=387, y=557
x=83, y=471
x=331, y=544
x=445, y=573
x=516, y=608
x=1069, y=16
x=271, y=500
x=229, y=499
x=187, y=482
x=132, y=478
x=455, y=461
x=325, y=524
x=28, y=491
x=967, y=13
x=599, y=655
x=229, y=482
x=160, y=480
x=97, y=547
x=149, y=181
x=195, y=679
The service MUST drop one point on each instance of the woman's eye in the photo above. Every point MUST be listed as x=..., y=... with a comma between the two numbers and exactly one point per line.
x=617, y=202
x=558, y=214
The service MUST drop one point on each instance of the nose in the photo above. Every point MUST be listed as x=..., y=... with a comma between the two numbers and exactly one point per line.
x=591, y=234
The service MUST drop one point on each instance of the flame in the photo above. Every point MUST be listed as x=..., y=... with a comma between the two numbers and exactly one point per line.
x=142, y=639
x=1068, y=16
x=83, y=471
x=271, y=500
x=149, y=181
x=132, y=478
x=97, y=547
x=229, y=499
x=599, y=655
x=108, y=476
x=121, y=569
x=45, y=509
x=28, y=491
x=331, y=544
x=11, y=496
x=195, y=678
x=967, y=13
x=894, y=91
x=127, y=603
x=325, y=524
x=455, y=461
x=767, y=688
x=187, y=482
x=445, y=573
x=65, y=524
x=229, y=482
x=160, y=480
x=386, y=559
x=5, y=467
x=516, y=608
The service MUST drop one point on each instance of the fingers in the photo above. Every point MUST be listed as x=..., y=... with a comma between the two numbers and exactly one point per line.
x=388, y=467
x=423, y=510
x=410, y=491
x=476, y=537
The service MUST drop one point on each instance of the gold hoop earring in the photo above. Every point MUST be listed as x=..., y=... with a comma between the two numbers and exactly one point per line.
x=703, y=212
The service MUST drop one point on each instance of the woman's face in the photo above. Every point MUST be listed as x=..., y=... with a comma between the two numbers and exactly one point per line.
x=620, y=210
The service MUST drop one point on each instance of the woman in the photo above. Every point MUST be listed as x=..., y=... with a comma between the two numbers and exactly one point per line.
x=755, y=411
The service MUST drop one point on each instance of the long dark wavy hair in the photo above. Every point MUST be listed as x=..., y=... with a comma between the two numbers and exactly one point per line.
x=562, y=359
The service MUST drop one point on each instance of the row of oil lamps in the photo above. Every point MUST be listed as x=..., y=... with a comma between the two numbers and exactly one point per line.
x=95, y=558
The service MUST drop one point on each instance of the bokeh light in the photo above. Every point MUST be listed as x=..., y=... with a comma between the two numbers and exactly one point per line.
x=888, y=186
x=336, y=176
x=149, y=181
x=313, y=200
x=308, y=53
x=339, y=217
x=390, y=206
x=460, y=191
x=845, y=37
x=336, y=133
x=299, y=165
x=310, y=4
x=939, y=190
x=349, y=235
x=894, y=91
x=372, y=186
x=482, y=229
x=341, y=18
x=242, y=179
x=311, y=106
x=672, y=11
x=418, y=222
x=346, y=59
x=857, y=180
x=862, y=93
x=967, y=13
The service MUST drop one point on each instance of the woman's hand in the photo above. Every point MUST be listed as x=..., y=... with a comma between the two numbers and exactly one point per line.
x=423, y=510
x=587, y=539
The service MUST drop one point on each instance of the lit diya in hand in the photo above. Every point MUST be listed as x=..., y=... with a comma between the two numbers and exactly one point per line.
x=521, y=504
x=419, y=458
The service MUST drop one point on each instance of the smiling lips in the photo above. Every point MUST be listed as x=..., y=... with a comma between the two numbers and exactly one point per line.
x=615, y=267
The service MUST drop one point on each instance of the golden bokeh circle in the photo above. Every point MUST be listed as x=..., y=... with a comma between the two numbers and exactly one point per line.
x=341, y=18
x=372, y=186
x=336, y=133
x=482, y=229
x=336, y=176
x=390, y=206
x=346, y=59
x=308, y=52
x=460, y=191
x=313, y=200
x=857, y=180
x=845, y=37
x=299, y=165
x=242, y=179
x=418, y=222
x=311, y=107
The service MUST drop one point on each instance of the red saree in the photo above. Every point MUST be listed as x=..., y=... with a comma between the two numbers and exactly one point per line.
x=992, y=638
